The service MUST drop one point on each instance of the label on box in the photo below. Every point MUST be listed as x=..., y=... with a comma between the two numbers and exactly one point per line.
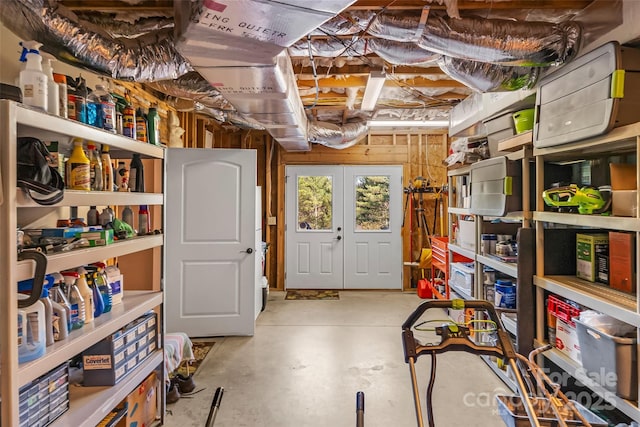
x=567, y=340
x=588, y=248
x=94, y=362
x=132, y=363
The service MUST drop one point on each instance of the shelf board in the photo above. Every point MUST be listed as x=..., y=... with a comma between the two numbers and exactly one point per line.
x=620, y=139
x=598, y=221
x=509, y=323
x=517, y=142
x=575, y=370
x=619, y=305
x=95, y=198
x=47, y=126
x=74, y=258
x=464, y=294
x=460, y=211
x=89, y=405
x=462, y=170
x=500, y=373
x=508, y=268
x=469, y=253
x=134, y=304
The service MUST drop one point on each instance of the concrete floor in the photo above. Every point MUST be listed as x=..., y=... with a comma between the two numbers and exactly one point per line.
x=308, y=359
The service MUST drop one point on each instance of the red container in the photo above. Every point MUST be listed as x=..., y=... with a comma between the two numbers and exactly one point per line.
x=424, y=289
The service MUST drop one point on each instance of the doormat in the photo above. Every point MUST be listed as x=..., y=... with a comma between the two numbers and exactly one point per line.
x=306, y=294
x=200, y=351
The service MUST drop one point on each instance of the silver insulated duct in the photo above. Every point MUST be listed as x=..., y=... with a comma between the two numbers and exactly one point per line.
x=336, y=136
x=239, y=47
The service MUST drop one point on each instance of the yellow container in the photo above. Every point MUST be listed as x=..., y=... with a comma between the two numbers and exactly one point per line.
x=79, y=168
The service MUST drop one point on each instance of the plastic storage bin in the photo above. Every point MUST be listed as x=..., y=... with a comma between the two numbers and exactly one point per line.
x=601, y=351
x=513, y=413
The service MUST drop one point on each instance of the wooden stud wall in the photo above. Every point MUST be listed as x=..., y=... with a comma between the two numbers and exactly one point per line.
x=419, y=153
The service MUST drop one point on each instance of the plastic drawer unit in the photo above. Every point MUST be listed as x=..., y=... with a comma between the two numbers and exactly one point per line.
x=589, y=96
x=496, y=186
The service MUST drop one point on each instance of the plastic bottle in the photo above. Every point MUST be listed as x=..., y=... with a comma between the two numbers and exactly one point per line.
x=98, y=300
x=58, y=296
x=127, y=215
x=107, y=169
x=105, y=217
x=92, y=216
x=87, y=295
x=63, y=99
x=144, y=220
x=153, y=125
x=78, y=313
x=95, y=167
x=122, y=177
x=101, y=109
x=81, y=99
x=141, y=126
x=60, y=330
x=128, y=119
x=99, y=276
x=48, y=316
x=53, y=90
x=79, y=168
x=136, y=174
x=33, y=81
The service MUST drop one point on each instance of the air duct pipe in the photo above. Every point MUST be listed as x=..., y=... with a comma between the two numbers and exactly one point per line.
x=336, y=136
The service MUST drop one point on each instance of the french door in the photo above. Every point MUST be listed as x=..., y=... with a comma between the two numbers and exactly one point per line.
x=343, y=227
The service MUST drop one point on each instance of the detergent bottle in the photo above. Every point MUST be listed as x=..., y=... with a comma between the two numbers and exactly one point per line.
x=87, y=295
x=78, y=313
x=31, y=330
x=27, y=287
x=98, y=302
x=107, y=169
x=33, y=81
x=79, y=168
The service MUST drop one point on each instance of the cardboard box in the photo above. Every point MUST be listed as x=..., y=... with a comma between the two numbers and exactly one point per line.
x=622, y=258
x=104, y=362
x=624, y=202
x=567, y=339
x=623, y=176
x=142, y=403
x=588, y=248
x=467, y=234
x=98, y=237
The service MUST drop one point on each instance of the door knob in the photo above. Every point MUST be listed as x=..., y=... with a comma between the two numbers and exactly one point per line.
x=249, y=250
x=339, y=238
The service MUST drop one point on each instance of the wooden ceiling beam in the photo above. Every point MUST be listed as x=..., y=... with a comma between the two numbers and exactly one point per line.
x=366, y=69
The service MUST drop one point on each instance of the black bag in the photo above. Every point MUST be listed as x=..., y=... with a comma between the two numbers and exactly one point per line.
x=42, y=182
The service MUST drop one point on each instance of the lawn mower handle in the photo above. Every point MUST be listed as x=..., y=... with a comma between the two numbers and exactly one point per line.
x=474, y=304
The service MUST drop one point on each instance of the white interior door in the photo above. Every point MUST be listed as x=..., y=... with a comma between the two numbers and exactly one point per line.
x=372, y=227
x=343, y=227
x=314, y=248
x=210, y=226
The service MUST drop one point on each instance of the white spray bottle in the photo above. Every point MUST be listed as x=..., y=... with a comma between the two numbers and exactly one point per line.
x=33, y=82
x=53, y=90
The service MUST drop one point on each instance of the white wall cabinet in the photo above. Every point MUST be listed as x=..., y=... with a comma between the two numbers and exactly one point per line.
x=87, y=405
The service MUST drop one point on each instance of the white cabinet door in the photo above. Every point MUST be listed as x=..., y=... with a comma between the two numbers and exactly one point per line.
x=210, y=248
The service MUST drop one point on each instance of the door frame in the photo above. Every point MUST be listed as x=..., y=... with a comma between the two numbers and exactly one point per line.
x=347, y=173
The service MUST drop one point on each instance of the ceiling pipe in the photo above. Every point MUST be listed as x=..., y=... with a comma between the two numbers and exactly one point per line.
x=337, y=136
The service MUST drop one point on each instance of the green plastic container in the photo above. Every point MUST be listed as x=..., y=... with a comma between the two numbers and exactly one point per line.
x=523, y=120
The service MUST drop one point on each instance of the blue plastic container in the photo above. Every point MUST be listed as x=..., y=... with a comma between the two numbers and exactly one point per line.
x=505, y=294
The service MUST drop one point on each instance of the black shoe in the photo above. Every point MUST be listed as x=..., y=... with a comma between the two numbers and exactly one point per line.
x=184, y=384
x=173, y=394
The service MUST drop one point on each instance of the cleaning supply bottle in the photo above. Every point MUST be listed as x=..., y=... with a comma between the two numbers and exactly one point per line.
x=53, y=90
x=92, y=216
x=107, y=169
x=48, y=316
x=101, y=109
x=141, y=126
x=153, y=125
x=95, y=167
x=58, y=296
x=122, y=177
x=63, y=99
x=98, y=299
x=127, y=215
x=79, y=168
x=99, y=276
x=144, y=220
x=105, y=217
x=87, y=295
x=81, y=99
x=128, y=118
x=78, y=313
x=136, y=174
x=33, y=81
